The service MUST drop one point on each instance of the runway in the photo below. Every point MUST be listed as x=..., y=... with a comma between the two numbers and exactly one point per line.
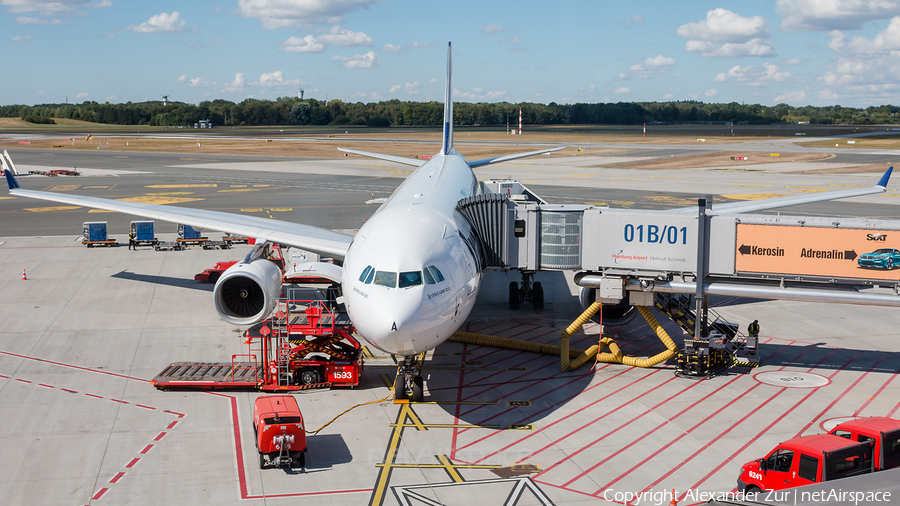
x=86, y=331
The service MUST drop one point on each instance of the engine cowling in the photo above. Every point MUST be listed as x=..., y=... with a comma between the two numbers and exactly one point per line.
x=247, y=292
x=620, y=313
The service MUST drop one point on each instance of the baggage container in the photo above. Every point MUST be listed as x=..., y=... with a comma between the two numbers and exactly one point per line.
x=95, y=231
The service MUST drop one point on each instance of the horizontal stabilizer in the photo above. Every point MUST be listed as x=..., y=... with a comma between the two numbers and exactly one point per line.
x=506, y=158
x=388, y=158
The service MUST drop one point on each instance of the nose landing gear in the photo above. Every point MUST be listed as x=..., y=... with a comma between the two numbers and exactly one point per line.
x=409, y=383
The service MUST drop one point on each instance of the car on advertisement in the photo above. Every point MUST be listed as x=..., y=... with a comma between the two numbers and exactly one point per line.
x=882, y=258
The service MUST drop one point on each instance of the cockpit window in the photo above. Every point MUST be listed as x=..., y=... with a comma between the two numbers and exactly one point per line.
x=365, y=273
x=388, y=279
x=408, y=279
x=428, y=277
x=435, y=273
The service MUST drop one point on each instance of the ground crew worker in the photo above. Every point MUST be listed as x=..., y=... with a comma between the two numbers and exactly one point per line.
x=131, y=242
x=753, y=329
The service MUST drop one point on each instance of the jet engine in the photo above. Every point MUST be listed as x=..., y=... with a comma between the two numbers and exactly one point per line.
x=620, y=313
x=247, y=291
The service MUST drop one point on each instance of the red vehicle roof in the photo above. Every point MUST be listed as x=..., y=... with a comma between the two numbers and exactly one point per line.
x=872, y=423
x=276, y=404
x=819, y=443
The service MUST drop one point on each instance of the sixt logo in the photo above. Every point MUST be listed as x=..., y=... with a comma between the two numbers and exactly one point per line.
x=876, y=237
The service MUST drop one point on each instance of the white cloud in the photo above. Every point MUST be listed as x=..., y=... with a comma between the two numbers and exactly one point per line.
x=102, y=3
x=359, y=61
x=22, y=38
x=792, y=61
x=826, y=94
x=279, y=13
x=345, y=38
x=479, y=94
x=237, y=84
x=395, y=88
x=656, y=65
x=638, y=20
x=837, y=40
x=514, y=40
x=307, y=44
x=45, y=7
x=24, y=20
x=160, y=23
x=727, y=35
x=722, y=25
x=391, y=48
x=182, y=79
x=753, y=76
x=492, y=29
x=621, y=90
x=827, y=15
x=82, y=95
x=42, y=93
x=711, y=93
x=275, y=79
x=590, y=89
x=884, y=42
x=111, y=98
x=668, y=96
x=199, y=82
x=791, y=96
x=413, y=88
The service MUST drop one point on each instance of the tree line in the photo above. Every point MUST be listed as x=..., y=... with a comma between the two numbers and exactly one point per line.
x=293, y=111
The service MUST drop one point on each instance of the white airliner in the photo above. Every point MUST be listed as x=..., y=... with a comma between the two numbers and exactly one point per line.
x=411, y=274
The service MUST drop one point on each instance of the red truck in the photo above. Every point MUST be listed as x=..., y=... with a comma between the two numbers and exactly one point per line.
x=280, y=433
x=805, y=460
x=882, y=431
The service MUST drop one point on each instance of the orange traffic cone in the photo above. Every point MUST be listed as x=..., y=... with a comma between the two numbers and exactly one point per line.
x=673, y=502
x=23, y=275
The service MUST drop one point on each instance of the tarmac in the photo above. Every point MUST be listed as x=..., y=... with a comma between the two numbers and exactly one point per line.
x=88, y=328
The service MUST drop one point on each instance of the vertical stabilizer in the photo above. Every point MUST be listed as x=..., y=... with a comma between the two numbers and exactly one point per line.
x=447, y=146
x=9, y=163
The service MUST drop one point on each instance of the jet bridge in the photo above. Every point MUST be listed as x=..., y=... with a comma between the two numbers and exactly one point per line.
x=675, y=259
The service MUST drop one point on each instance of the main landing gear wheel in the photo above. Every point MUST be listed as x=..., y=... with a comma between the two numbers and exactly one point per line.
x=514, y=295
x=400, y=387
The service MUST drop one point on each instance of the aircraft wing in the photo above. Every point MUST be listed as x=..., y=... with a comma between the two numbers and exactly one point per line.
x=760, y=205
x=389, y=158
x=309, y=238
x=506, y=158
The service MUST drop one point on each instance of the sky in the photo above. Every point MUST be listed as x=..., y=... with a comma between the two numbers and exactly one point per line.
x=799, y=52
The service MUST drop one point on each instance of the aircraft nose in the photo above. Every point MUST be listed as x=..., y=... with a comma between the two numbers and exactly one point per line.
x=391, y=327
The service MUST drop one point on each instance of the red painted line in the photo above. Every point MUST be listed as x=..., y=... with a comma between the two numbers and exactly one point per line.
x=846, y=390
x=145, y=407
x=94, y=396
x=160, y=436
x=179, y=415
x=117, y=477
x=63, y=364
x=891, y=413
x=740, y=421
x=876, y=394
x=146, y=449
x=23, y=381
x=133, y=462
x=683, y=434
x=4, y=376
x=626, y=424
x=120, y=401
x=171, y=425
x=768, y=427
x=462, y=376
x=47, y=386
x=70, y=391
x=99, y=494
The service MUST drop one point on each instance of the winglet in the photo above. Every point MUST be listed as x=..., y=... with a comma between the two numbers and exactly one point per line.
x=447, y=146
x=884, y=179
x=10, y=180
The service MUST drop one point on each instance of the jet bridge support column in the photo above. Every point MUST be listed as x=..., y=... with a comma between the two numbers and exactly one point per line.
x=700, y=300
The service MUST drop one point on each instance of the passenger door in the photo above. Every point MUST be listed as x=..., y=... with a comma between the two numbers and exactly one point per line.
x=778, y=469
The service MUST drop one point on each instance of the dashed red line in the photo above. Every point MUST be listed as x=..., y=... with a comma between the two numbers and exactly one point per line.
x=179, y=415
x=95, y=396
x=142, y=406
x=45, y=385
x=146, y=449
x=160, y=436
x=876, y=394
x=99, y=494
x=23, y=381
x=117, y=477
x=69, y=391
x=4, y=376
x=133, y=462
x=171, y=425
x=120, y=401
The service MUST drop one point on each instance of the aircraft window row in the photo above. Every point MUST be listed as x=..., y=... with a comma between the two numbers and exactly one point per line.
x=430, y=275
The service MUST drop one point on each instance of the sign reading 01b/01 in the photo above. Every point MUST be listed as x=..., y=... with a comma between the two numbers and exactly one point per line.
x=813, y=251
x=641, y=240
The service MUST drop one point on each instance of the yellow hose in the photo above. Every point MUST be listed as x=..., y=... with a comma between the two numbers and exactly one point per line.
x=565, y=353
x=511, y=344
